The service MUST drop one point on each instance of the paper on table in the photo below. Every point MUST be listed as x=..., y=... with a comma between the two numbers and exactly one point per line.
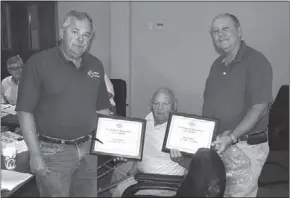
x=7, y=109
x=11, y=179
x=10, y=137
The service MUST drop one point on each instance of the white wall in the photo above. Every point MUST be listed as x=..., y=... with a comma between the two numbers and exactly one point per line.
x=121, y=44
x=100, y=12
x=180, y=55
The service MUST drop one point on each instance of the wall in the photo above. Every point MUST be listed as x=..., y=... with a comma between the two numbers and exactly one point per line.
x=179, y=55
x=121, y=44
x=100, y=12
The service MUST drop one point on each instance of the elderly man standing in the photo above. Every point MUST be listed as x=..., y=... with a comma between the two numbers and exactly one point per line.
x=154, y=160
x=238, y=92
x=9, y=87
x=60, y=93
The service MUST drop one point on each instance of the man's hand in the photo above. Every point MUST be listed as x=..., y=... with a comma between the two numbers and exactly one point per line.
x=38, y=166
x=120, y=159
x=175, y=155
x=222, y=143
x=104, y=111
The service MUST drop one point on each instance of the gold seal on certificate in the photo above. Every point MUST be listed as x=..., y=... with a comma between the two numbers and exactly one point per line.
x=119, y=136
x=187, y=133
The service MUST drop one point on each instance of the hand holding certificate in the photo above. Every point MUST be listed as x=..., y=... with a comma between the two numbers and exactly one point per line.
x=187, y=133
x=119, y=136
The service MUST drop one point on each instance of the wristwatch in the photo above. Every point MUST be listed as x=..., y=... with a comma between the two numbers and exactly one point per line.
x=234, y=138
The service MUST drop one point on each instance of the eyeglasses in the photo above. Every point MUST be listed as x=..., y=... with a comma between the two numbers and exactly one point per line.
x=15, y=67
x=223, y=30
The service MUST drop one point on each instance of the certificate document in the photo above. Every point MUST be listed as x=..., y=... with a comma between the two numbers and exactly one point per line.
x=187, y=133
x=119, y=136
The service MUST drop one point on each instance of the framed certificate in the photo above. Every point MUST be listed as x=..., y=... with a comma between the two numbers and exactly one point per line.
x=119, y=136
x=187, y=132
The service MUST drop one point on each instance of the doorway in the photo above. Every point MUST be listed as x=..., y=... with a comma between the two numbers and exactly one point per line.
x=26, y=28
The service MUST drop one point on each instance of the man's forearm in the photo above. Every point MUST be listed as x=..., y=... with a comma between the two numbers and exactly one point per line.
x=104, y=111
x=28, y=129
x=250, y=120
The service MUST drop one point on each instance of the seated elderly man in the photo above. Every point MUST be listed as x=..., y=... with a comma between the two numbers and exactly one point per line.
x=9, y=87
x=154, y=160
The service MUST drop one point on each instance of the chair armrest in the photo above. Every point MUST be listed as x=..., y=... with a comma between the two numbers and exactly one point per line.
x=132, y=190
x=159, y=178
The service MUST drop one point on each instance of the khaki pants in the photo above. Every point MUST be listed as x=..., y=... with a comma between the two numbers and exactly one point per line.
x=258, y=155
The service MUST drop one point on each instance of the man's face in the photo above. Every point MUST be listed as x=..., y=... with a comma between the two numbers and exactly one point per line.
x=15, y=70
x=76, y=38
x=161, y=108
x=225, y=34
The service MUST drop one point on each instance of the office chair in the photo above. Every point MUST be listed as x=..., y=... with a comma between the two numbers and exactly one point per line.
x=279, y=120
x=278, y=136
x=120, y=98
x=206, y=177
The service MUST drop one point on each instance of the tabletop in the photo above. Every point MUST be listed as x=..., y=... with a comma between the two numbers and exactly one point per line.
x=22, y=165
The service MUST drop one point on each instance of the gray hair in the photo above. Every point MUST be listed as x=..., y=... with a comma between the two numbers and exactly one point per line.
x=14, y=60
x=73, y=14
x=231, y=16
x=169, y=93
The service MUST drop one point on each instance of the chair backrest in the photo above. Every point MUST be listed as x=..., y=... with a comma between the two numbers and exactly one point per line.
x=120, y=98
x=279, y=120
x=206, y=176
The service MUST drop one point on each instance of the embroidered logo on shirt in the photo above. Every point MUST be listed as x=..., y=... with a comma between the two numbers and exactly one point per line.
x=93, y=74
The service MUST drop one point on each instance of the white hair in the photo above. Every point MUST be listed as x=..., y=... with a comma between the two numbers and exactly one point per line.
x=79, y=16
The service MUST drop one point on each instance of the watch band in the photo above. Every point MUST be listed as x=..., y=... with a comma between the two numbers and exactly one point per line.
x=234, y=138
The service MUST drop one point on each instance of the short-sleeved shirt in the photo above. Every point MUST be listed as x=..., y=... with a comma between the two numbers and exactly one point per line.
x=9, y=90
x=110, y=89
x=62, y=98
x=154, y=160
x=232, y=90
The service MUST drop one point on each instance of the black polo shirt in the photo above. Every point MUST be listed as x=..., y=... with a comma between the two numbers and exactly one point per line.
x=62, y=98
x=231, y=91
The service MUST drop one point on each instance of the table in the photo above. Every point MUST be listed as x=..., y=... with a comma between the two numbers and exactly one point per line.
x=22, y=165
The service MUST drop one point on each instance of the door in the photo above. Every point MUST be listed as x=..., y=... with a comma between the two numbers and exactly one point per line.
x=26, y=28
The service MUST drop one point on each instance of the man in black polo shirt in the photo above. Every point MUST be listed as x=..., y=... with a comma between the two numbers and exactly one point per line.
x=238, y=92
x=60, y=93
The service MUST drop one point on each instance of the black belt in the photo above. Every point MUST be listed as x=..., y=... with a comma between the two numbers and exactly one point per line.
x=61, y=141
x=246, y=137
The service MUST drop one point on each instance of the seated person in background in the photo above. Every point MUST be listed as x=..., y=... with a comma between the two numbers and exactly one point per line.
x=9, y=87
x=154, y=160
x=110, y=89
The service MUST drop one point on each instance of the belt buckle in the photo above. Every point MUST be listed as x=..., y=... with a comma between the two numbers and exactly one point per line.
x=243, y=138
